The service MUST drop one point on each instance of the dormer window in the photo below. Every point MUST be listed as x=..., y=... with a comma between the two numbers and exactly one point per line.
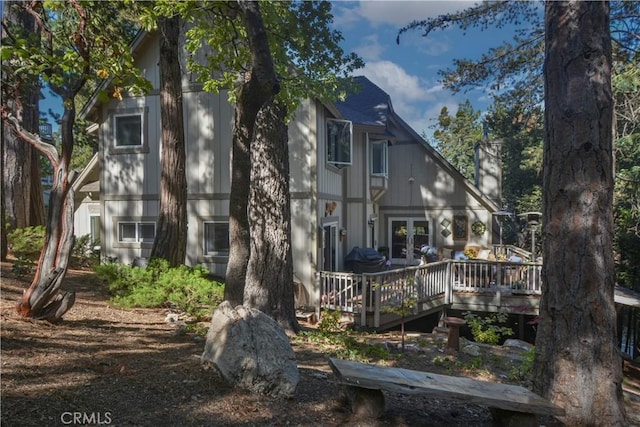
x=339, y=142
x=379, y=158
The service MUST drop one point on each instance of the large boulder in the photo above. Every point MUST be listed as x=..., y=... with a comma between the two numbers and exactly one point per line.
x=251, y=350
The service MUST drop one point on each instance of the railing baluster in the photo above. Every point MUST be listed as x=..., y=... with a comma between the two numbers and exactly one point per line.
x=372, y=292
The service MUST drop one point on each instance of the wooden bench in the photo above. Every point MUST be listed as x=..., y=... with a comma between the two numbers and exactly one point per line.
x=509, y=404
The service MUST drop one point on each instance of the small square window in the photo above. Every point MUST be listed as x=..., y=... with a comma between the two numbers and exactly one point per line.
x=147, y=232
x=339, y=142
x=128, y=130
x=127, y=232
x=216, y=238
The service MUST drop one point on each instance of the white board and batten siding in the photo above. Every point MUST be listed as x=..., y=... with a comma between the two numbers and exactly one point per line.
x=421, y=186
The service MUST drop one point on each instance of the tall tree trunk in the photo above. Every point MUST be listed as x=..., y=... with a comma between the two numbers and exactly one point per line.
x=239, y=233
x=4, y=246
x=16, y=177
x=269, y=285
x=269, y=273
x=258, y=87
x=37, y=209
x=578, y=363
x=21, y=172
x=170, y=242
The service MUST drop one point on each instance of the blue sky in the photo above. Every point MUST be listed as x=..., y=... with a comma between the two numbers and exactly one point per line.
x=409, y=72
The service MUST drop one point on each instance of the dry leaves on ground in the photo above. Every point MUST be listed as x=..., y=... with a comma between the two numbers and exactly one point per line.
x=108, y=366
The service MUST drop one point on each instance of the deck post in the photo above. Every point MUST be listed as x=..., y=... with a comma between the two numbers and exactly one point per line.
x=363, y=299
x=319, y=295
x=376, y=305
x=448, y=290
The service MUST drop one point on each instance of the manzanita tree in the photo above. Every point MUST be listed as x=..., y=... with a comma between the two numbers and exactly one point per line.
x=81, y=44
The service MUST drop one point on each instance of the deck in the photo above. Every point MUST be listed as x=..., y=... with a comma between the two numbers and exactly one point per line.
x=378, y=300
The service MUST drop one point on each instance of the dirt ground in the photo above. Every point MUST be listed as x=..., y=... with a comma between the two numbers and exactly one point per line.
x=108, y=366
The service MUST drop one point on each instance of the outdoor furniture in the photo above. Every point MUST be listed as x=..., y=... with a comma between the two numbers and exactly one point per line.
x=509, y=404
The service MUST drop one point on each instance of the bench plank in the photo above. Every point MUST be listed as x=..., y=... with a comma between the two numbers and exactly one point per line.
x=494, y=395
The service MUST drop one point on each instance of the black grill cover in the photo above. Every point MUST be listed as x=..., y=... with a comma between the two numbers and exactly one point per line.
x=365, y=260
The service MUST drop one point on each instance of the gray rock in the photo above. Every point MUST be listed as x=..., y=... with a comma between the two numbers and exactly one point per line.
x=518, y=344
x=172, y=318
x=471, y=350
x=251, y=350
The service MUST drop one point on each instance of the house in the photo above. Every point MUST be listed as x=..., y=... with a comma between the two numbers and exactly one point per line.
x=359, y=176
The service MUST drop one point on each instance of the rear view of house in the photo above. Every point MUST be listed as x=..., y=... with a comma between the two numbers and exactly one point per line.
x=359, y=177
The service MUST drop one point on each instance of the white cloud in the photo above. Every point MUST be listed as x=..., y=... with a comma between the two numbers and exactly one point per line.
x=394, y=80
x=371, y=49
x=344, y=15
x=409, y=94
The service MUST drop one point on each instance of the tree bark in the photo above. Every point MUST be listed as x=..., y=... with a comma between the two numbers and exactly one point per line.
x=170, y=242
x=259, y=85
x=269, y=285
x=4, y=247
x=268, y=281
x=43, y=300
x=239, y=233
x=37, y=209
x=578, y=363
x=21, y=171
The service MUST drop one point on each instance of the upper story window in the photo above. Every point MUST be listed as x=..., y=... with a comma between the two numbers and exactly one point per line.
x=128, y=130
x=379, y=158
x=136, y=232
x=339, y=142
x=216, y=238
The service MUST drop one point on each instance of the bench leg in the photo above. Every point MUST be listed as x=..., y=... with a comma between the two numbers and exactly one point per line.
x=365, y=402
x=506, y=418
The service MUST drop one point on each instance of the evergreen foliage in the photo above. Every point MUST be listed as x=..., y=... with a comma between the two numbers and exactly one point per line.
x=157, y=285
x=27, y=242
x=455, y=137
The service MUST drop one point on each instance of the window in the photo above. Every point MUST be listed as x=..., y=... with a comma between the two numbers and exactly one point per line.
x=216, y=238
x=95, y=230
x=379, y=158
x=339, y=142
x=136, y=232
x=128, y=130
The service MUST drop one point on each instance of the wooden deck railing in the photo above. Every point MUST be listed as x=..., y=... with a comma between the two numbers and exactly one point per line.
x=373, y=293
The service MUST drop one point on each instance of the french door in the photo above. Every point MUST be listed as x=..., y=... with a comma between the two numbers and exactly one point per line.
x=406, y=237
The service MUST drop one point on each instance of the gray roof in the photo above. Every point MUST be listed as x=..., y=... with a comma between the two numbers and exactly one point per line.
x=370, y=105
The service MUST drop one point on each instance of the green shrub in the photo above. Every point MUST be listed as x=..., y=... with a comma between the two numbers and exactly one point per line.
x=27, y=242
x=26, y=245
x=157, y=285
x=329, y=321
x=82, y=254
x=488, y=329
x=524, y=370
